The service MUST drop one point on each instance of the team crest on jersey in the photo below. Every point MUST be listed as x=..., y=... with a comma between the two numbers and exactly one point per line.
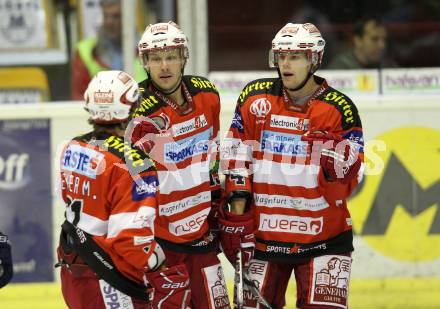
x=260, y=107
x=189, y=125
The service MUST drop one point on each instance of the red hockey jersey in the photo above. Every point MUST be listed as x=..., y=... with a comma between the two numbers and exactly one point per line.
x=186, y=157
x=297, y=212
x=110, y=192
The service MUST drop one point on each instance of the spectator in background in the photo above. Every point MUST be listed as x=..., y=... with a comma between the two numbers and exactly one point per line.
x=103, y=52
x=370, y=42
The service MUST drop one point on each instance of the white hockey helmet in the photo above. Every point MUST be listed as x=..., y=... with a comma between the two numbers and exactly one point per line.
x=296, y=38
x=110, y=96
x=162, y=36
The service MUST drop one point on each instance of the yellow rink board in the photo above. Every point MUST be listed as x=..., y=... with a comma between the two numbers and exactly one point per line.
x=364, y=293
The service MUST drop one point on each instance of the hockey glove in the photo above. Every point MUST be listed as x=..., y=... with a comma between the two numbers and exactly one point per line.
x=170, y=288
x=338, y=157
x=143, y=134
x=237, y=233
x=6, y=270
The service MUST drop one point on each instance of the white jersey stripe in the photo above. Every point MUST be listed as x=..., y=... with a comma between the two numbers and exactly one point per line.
x=88, y=223
x=185, y=178
x=298, y=175
x=144, y=217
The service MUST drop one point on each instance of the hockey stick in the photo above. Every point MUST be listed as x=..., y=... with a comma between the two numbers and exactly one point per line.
x=255, y=291
x=239, y=280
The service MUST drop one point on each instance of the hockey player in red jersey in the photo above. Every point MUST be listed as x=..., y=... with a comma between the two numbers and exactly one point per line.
x=293, y=156
x=186, y=110
x=107, y=252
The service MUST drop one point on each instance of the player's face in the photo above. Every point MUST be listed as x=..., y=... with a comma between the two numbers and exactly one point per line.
x=294, y=67
x=165, y=68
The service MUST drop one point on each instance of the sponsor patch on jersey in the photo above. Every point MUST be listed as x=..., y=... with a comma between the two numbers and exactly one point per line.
x=144, y=187
x=189, y=125
x=180, y=150
x=190, y=224
x=216, y=286
x=237, y=121
x=113, y=298
x=291, y=224
x=288, y=202
x=283, y=143
x=357, y=137
x=330, y=276
x=286, y=122
x=142, y=240
x=82, y=160
x=184, y=204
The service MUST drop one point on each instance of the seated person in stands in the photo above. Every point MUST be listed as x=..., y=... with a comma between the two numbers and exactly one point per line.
x=369, y=46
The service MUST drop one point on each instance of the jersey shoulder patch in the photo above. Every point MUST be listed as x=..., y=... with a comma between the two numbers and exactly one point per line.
x=197, y=84
x=260, y=86
x=148, y=102
x=345, y=106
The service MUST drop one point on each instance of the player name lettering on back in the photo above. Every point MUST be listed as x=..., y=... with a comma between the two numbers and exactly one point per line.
x=75, y=184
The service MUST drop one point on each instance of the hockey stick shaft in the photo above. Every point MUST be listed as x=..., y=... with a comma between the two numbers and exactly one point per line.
x=255, y=291
x=239, y=280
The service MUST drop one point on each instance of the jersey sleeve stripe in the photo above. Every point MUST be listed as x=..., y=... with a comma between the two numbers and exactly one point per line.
x=88, y=223
x=143, y=218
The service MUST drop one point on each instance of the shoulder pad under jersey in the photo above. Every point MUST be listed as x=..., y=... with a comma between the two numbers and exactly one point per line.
x=345, y=106
x=260, y=86
x=196, y=84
